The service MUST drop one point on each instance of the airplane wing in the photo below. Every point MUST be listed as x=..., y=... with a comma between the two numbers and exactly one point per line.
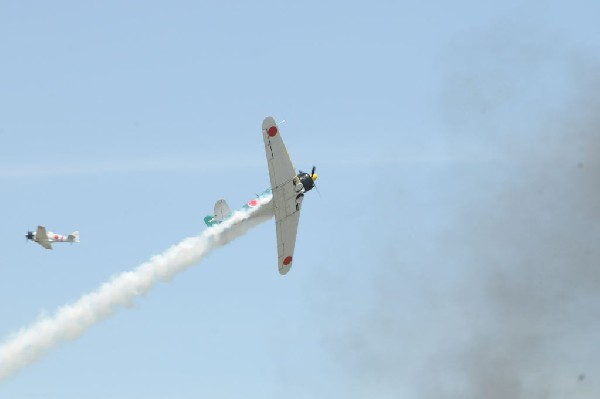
x=281, y=170
x=284, y=185
x=41, y=237
x=287, y=229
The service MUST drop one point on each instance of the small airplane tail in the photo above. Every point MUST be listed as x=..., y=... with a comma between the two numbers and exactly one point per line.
x=210, y=220
x=73, y=237
x=222, y=211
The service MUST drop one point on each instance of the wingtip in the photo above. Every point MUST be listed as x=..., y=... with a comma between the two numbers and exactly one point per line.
x=268, y=122
x=285, y=268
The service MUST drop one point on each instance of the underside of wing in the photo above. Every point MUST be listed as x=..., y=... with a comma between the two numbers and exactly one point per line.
x=281, y=169
x=41, y=236
x=287, y=229
x=46, y=244
x=287, y=196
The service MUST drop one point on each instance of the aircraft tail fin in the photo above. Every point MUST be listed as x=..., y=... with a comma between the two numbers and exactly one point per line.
x=73, y=237
x=221, y=210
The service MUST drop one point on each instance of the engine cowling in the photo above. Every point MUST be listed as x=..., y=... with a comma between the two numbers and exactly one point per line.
x=307, y=181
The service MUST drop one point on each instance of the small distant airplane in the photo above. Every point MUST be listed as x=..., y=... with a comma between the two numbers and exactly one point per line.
x=287, y=190
x=46, y=239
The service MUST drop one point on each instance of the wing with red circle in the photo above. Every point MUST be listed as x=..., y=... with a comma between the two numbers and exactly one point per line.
x=287, y=229
x=284, y=185
x=41, y=237
x=281, y=169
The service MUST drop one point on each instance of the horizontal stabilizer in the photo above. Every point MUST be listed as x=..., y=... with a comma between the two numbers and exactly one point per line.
x=210, y=220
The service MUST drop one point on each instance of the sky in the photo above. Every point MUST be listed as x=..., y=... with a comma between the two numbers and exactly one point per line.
x=451, y=250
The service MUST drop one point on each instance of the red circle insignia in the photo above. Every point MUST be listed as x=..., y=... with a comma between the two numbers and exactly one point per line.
x=272, y=131
x=287, y=260
x=253, y=203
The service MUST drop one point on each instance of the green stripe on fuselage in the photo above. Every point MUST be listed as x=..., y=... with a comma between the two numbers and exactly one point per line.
x=210, y=219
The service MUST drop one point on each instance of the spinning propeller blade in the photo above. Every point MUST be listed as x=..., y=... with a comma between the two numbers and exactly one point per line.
x=313, y=177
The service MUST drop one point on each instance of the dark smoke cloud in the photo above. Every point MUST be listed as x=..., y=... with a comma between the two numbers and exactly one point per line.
x=533, y=250
x=503, y=298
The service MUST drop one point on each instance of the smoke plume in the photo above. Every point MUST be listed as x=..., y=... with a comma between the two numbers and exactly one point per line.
x=72, y=321
x=499, y=297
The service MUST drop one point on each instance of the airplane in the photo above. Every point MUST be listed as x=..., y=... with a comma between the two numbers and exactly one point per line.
x=46, y=239
x=283, y=200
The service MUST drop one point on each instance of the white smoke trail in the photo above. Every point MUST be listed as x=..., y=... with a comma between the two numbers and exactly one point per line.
x=71, y=321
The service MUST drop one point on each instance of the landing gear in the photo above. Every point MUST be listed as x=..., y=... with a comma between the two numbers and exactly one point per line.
x=299, y=199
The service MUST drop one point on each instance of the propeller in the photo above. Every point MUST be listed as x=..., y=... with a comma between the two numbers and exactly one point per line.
x=29, y=235
x=313, y=176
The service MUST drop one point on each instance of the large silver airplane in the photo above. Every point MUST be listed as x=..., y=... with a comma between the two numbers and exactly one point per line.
x=287, y=189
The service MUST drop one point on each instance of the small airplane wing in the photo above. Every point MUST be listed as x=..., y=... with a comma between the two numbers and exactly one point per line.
x=41, y=237
x=281, y=169
x=285, y=187
x=287, y=229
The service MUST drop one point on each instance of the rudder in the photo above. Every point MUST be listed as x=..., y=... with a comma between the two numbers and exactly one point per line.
x=73, y=237
x=221, y=210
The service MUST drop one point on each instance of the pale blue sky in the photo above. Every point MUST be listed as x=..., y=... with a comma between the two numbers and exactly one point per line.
x=445, y=134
